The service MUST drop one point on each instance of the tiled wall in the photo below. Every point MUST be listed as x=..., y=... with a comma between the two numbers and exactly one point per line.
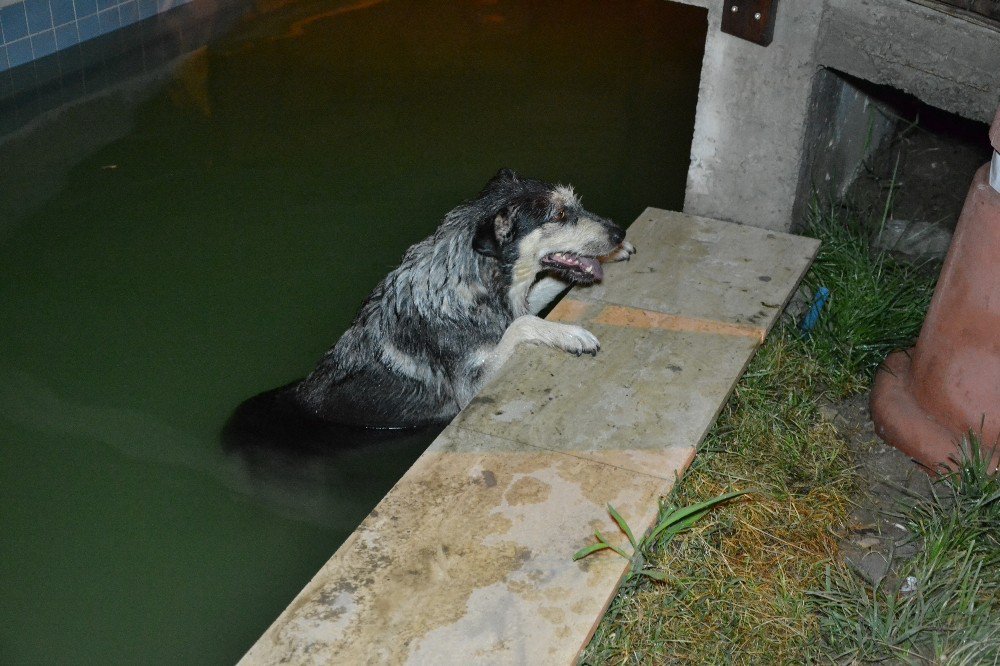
x=33, y=29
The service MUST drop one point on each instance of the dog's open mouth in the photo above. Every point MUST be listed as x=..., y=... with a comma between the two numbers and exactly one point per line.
x=574, y=267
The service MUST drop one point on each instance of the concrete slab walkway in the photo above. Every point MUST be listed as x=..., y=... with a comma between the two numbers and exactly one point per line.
x=468, y=559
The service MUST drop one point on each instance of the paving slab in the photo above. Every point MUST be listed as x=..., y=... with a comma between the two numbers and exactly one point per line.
x=701, y=268
x=647, y=393
x=468, y=559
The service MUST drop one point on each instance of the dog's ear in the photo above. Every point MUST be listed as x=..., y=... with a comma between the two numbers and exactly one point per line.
x=491, y=232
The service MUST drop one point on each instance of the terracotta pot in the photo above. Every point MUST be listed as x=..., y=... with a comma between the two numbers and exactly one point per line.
x=927, y=398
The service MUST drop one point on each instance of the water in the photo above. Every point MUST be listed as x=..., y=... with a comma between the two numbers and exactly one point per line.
x=225, y=241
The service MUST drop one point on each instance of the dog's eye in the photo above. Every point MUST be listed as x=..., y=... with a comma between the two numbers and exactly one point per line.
x=560, y=216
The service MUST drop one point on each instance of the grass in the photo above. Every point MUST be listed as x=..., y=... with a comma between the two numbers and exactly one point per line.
x=877, y=304
x=736, y=587
x=671, y=522
x=942, y=606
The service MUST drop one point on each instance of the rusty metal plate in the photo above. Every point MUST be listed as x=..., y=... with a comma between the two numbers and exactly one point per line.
x=752, y=20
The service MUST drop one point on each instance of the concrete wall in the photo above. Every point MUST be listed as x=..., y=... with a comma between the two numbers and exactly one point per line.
x=948, y=62
x=761, y=109
x=844, y=127
x=750, y=124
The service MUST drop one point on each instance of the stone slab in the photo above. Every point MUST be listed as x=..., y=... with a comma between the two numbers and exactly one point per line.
x=646, y=394
x=468, y=559
x=702, y=268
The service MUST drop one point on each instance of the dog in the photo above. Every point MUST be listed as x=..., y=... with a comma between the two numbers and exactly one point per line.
x=441, y=325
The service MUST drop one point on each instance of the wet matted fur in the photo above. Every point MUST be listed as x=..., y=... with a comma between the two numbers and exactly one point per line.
x=442, y=324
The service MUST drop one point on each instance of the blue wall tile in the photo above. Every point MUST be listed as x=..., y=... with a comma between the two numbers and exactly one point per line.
x=33, y=29
x=85, y=8
x=43, y=43
x=39, y=15
x=15, y=24
x=88, y=27
x=109, y=20
x=129, y=12
x=66, y=35
x=62, y=12
x=19, y=52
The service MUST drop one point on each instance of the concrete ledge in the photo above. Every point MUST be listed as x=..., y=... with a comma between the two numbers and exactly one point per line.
x=945, y=61
x=468, y=559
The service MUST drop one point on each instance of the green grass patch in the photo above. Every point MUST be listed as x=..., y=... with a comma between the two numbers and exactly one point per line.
x=735, y=587
x=877, y=303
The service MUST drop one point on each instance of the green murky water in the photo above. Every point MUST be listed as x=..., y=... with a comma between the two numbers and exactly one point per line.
x=221, y=246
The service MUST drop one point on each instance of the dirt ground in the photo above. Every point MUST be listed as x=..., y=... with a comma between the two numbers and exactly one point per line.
x=929, y=163
x=877, y=541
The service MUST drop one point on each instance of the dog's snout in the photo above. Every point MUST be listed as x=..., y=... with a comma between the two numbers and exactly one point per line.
x=617, y=234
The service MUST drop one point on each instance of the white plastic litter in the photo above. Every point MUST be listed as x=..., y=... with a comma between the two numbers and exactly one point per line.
x=909, y=585
x=995, y=171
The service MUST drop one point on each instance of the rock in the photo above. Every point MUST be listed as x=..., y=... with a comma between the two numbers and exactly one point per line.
x=827, y=412
x=916, y=240
x=873, y=566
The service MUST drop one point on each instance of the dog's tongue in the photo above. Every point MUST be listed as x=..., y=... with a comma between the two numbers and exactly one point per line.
x=594, y=265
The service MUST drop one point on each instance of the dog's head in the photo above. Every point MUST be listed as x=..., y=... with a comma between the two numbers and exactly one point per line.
x=536, y=227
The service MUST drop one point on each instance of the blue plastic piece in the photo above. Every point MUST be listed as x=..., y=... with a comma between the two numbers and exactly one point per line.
x=812, y=317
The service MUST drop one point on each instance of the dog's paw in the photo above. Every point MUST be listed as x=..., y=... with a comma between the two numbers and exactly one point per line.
x=567, y=337
x=623, y=252
x=577, y=340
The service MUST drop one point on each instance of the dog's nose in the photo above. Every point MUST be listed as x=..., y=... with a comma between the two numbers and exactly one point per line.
x=617, y=235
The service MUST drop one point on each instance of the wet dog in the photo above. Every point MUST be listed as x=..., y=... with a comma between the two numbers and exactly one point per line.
x=442, y=324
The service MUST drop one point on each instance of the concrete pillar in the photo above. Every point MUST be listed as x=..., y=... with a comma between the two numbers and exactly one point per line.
x=748, y=141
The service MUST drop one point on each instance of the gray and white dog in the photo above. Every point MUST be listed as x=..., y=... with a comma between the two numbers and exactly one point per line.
x=443, y=323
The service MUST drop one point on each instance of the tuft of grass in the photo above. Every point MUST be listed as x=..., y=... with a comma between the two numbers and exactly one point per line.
x=877, y=303
x=942, y=607
x=671, y=522
x=735, y=588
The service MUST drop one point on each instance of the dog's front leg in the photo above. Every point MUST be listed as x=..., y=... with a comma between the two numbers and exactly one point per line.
x=532, y=330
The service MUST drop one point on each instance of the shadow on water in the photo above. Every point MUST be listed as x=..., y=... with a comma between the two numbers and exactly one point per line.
x=317, y=476
x=310, y=465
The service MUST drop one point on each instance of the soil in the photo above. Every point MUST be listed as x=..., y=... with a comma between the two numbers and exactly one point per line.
x=928, y=166
x=877, y=541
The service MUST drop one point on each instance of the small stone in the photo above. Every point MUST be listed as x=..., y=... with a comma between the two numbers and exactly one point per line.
x=915, y=239
x=909, y=585
x=828, y=412
x=868, y=542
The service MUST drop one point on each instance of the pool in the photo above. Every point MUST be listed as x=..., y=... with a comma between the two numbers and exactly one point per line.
x=245, y=201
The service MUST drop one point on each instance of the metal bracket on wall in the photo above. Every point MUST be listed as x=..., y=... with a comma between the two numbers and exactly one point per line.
x=752, y=20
